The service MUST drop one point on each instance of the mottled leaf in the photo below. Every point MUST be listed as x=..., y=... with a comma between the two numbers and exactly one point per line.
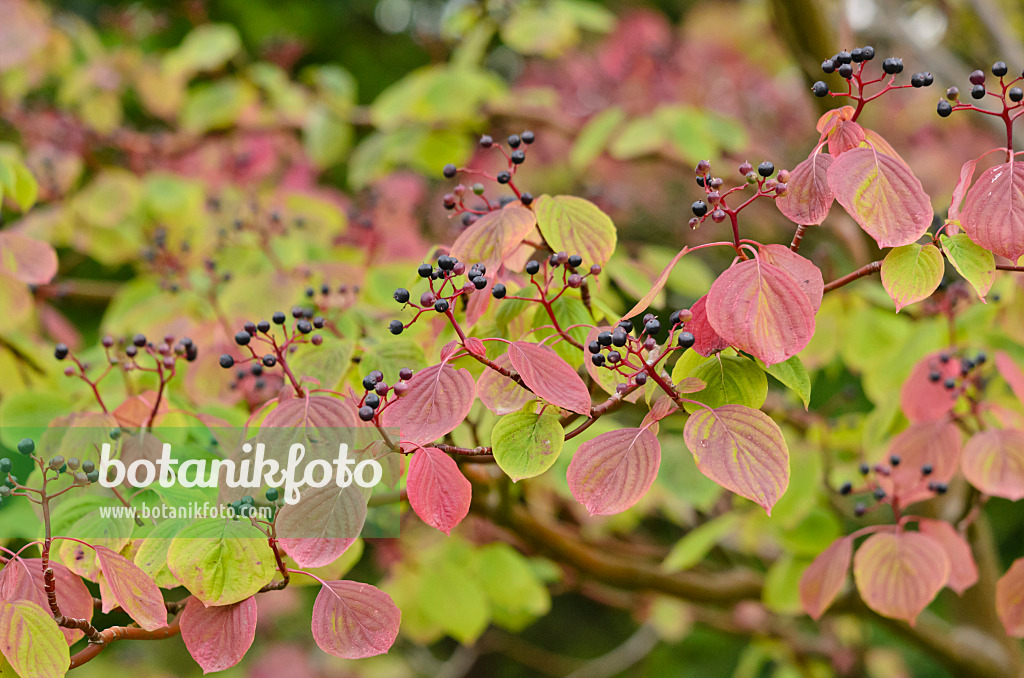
x=438, y=492
x=824, y=577
x=730, y=380
x=807, y=275
x=611, y=472
x=1010, y=599
x=135, y=592
x=549, y=377
x=352, y=620
x=27, y=259
x=31, y=641
x=439, y=399
x=993, y=214
x=526, y=444
x=576, y=226
x=218, y=637
x=911, y=273
x=936, y=443
x=963, y=571
x=325, y=522
x=899, y=573
x=923, y=399
x=498, y=393
x=706, y=339
x=993, y=461
x=494, y=236
x=221, y=561
x=809, y=197
x=846, y=135
x=975, y=264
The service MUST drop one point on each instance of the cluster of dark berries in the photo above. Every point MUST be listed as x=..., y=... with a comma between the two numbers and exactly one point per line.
x=253, y=334
x=516, y=156
x=326, y=296
x=844, y=62
x=615, y=349
x=377, y=391
x=946, y=106
x=876, y=491
x=967, y=366
x=713, y=205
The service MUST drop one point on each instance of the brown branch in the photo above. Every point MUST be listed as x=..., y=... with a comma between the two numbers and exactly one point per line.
x=864, y=270
x=798, y=237
x=115, y=633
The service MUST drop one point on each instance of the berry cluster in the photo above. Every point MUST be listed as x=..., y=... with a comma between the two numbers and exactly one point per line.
x=714, y=205
x=1008, y=93
x=872, y=487
x=81, y=473
x=455, y=201
x=958, y=383
x=630, y=356
x=375, y=400
x=850, y=66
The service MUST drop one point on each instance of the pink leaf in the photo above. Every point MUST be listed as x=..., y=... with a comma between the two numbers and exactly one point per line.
x=312, y=412
x=75, y=599
x=807, y=275
x=809, y=197
x=135, y=592
x=845, y=136
x=993, y=214
x=993, y=462
x=475, y=346
x=898, y=574
x=966, y=177
x=936, y=443
x=882, y=195
x=605, y=378
x=549, y=377
x=761, y=309
x=498, y=393
x=439, y=399
x=706, y=340
x=663, y=407
x=27, y=259
x=438, y=492
x=494, y=236
x=963, y=571
x=656, y=286
x=315, y=551
x=1010, y=599
x=614, y=470
x=742, y=450
x=824, y=577
x=1009, y=371
x=218, y=637
x=352, y=620
x=923, y=399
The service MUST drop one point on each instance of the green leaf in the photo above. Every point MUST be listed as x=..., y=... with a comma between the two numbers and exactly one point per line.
x=151, y=556
x=793, y=374
x=525, y=444
x=569, y=310
x=731, y=380
x=207, y=47
x=593, y=138
x=216, y=105
x=326, y=363
x=576, y=226
x=31, y=641
x=781, y=592
x=23, y=188
x=221, y=561
x=698, y=542
x=426, y=96
x=911, y=273
x=326, y=137
x=543, y=30
x=516, y=594
x=975, y=263
x=450, y=593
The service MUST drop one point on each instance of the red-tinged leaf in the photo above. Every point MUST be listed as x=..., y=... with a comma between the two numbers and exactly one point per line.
x=827, y=122
x=963, y=571
x=1013, y=375
x=807, y=275
x=438, y=492
x=475, y=346
x=809, y=197
x=923, y=399
x=549, y=377
x=911, y=273
x=663, y=407
x=26, y=259
x=314, y=551
x=439, y=399
x=966, y=177
x=824, y=577
x=58, y=327
x=494, y=236
x=934, y=442
x=993, y=214
x=75, y=599
x=605, y=378
x=31, y=642
x=761, y=309
x=352, y=620
x=656, y=286
x=705, y=340
x=136, y=410
x=136, y=593
x=882, y=195
x=610, y=473
x=993, y=461
x=877, y=142
x=312, y=412
x=498, y=393
x=1010, y=599
x=448, y=350
x=218, y=637
x=576, y=226
x=898, y=574
x=742, y=450
x=846, y=135
x=325, y=522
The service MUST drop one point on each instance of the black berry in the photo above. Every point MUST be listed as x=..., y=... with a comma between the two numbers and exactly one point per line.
x=575, y=260
x=977, y=77
x=653, y=326
x=304, y=326
x=892, y=65
x=978, y=92
x=999, y=69
x=828, y=66
x=60, y=351
x=598, y=360
x=766, y=169
x=532, y=267
x=441, y=305
x=605, y=338
x=446, y=263
x=226, y=361
x=425, y=270
x=269, y=360
x=686, y=339
x=396, y=327
x=846, y=71
x=139, y=340
x=243, y=338
x=700, y=208
x=846, y=488
x=820, y=89
x=526, y=199
x=944, y=109
x=844, y=58
x=867, y=52
x=1015, y=94
x=449, y=171
x=278, y=318
x=503, y=177
x=486, y=141
x=498, y=291
x=366, y=413
x=518, y=157
x=514, y=140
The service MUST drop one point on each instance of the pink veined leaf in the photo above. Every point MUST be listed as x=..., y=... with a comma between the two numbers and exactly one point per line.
x=807, y=275
x=1010, y=599
x=899, y=573
x=605, y=378
x=31, y=642
x=663, y=407
x=313, y=412
x=656, y=286
x=611, y=472
x=323, y=524
x=439, y=399
x=135, y=592
x=498, y=393
x=936, y=443
x=75, y=599
x=26, y=259
x=760, y=308
x=845, y=136
x=993, y=461
x=877, y=142
x=922, y=399
x=315, y=551
x=438, y=492
x=352, y=620
x=494, y=236
x=993, y=214
x=882, y=195
x=475, y=346
x=824, y=577
x=549, y=377
x=1013, y=375
x=963, y=571
x=966, y=177
x=218, y=637
x=706, y=340
x=742, y=450
x=809, y=197
x=828, y=120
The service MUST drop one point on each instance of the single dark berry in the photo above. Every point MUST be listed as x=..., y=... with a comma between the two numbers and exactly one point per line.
x=405, y=374
x=243, y=338
x=598, y=360
x=366, y=413
x=944, y=358
x=640, y=378
x=980, y=358
x=441, y=305
x=396, y=327
x=594, y=346
x=892, y=65
x=60, y=351
x=700, y=208
x=449, y=171
x=700, y=181
x=532, y=267
x=653, y=326
x=820, y=89
x=227, y=361
x=269, y=360
x=686, y=339
x=503, y=177
x=828, y=66
x=6, y=465
x=846, y=488
x=261, y=326
x=766, y=169
x=867, y=52
x=26, y=446
x=977, y=77
x=518, y=157
x=486, y=141
x=304, y=326
x=619, y=337
x=864, y=469
x=894, y=460
x=950, y=383
x=310, y=292
x=514, y=140
x=1015, y=94
x=298, y=312
x=944, y=109
x=369, y=382
x=999, y=69
x=498, y=291
x=879, y=494
x=614, y=357
x=528, y=137
x=372, y=399
x=926, y=470
x=978, y=92
x=278, y=318
x=941, y=488
x=425, y=270
x=526, y=199
x=575, y=261
x=846, y=71
x=446, y=263
x=139, y=340
x=605, y=338
x=843, y=58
